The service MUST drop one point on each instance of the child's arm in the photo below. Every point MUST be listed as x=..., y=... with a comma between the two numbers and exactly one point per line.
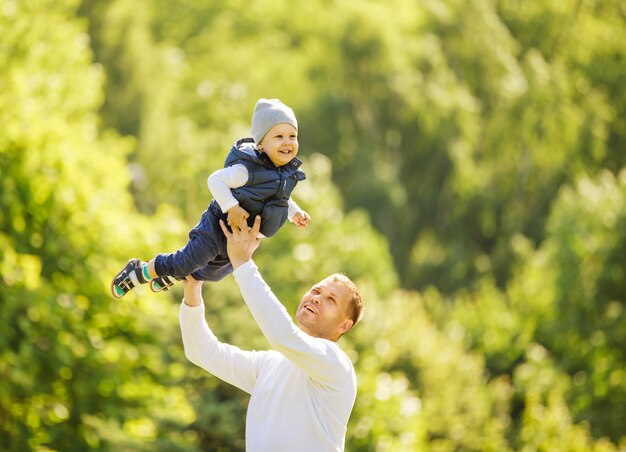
x=298, y=216
x=222, y=180
x=220, y=183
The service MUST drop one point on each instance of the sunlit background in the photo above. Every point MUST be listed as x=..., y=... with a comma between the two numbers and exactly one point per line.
x=466, y=164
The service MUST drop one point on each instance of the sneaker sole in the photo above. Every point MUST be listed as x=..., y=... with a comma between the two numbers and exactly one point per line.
x=115, y=295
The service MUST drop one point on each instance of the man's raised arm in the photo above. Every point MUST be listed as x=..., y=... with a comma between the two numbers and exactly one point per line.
x=317, y=357
x=225, y=361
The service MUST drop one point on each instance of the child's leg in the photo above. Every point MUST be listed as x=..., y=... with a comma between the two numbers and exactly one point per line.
x=215, y=270
x=148, y=269
x=157, y=283
x=206, y=244
x=196, y=254
x=206, y=241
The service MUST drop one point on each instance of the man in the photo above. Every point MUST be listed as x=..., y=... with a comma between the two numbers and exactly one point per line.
x=302, y=391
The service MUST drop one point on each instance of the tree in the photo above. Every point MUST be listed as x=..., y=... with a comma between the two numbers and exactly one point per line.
x=558, y=328
x=476, y=148
x=78, y=370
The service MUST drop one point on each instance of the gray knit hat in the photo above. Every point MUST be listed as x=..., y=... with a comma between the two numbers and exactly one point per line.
x=268, y=113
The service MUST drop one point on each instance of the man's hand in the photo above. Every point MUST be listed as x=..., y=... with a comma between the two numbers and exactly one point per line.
x=241, y=244
x=301, y=219
x=193, y=291
x=237, y=217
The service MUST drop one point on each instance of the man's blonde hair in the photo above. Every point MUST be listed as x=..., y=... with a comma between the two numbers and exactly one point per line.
x=355, y=305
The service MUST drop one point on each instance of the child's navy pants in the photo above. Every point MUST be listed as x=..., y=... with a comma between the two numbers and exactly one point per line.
x=204, y=257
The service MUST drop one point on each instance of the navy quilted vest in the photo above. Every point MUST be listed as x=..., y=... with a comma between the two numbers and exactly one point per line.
x=268, y=188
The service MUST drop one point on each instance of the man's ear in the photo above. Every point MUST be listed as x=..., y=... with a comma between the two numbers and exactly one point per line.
x=345, y=326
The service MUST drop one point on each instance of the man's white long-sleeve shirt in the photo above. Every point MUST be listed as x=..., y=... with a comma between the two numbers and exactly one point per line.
x=302, y=391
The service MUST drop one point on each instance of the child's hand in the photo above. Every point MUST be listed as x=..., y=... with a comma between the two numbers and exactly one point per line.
x=237, y=217
x=301, y=219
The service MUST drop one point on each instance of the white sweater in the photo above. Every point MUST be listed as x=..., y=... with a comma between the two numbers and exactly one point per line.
x=302, y=391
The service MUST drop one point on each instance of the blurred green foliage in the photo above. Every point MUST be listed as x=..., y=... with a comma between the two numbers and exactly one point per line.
x=465, y=165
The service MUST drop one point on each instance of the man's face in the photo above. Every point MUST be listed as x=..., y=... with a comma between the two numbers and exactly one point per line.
x=280, y=143
x=323, y=310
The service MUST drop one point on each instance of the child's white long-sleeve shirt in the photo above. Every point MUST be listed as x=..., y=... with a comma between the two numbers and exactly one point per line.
x=302, y=391
x=235, y=176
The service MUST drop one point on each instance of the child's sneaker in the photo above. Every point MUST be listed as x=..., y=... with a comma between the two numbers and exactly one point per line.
x=126, y=280
x=162, y=283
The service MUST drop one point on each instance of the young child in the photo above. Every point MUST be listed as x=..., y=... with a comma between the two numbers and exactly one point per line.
x=258, y=177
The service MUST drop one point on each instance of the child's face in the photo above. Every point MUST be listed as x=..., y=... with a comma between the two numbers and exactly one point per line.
x=280, y=143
